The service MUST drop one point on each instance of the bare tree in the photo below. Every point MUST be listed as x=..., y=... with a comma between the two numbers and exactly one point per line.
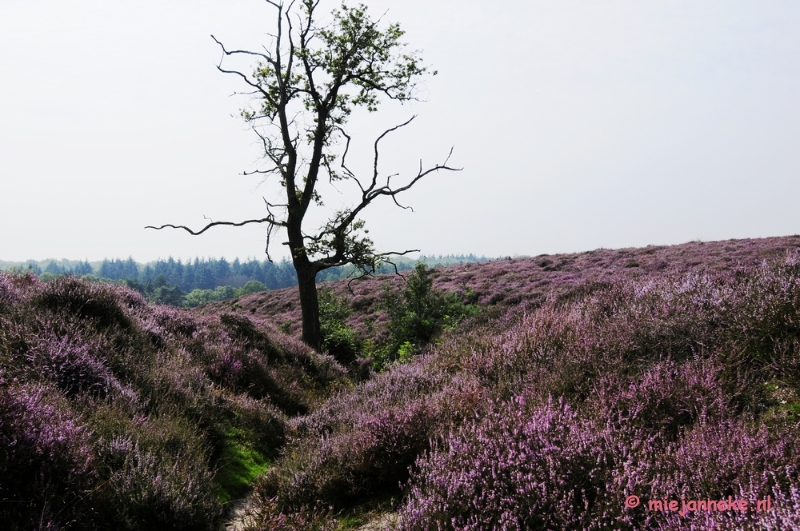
x=306, y=83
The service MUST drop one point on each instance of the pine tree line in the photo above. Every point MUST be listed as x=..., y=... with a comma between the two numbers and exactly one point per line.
x=209, y=274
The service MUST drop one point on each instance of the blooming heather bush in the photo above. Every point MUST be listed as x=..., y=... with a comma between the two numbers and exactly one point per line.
x=167, y=321
x=714, y=455
x=153, y=491
x=246, y=370
x=651, y=362
x=8, y=290
x=45, y=460
x=390, y=389
x=227, y=369
x=714, y=461
x=667, y=397
x=692, y=355
x=629, y=326
x=784, y=514
x=264, y=421
x=765, y=311
x=354, y=465
x=515, y=469
x=242, y=328
x=362, y=443
x=94, y=302
x=73, y=363
x=548, y=467
x=528, y=281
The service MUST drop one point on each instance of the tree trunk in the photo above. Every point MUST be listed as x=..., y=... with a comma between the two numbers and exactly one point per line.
x=309, y=305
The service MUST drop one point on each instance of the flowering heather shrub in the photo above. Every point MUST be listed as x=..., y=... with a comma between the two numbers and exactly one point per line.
x=715, y=460
x=246, y=370
x=667, y=397
x=525, y=281
x=353, y=465
x=227, y=369
x=361, y=444
x=45, y=460
x=515, y=469
x=263, y=420
x=73, y=363
x=783, y=515
x=674, y=427
x=630, y=325
x=504, y=360
x=393, y=388
x=548, y=467
x=8, y=290
x=242, y=328
x=654, y=357
x=152, y=491
x=165, y=322
x=93, y=302
x=765, y=310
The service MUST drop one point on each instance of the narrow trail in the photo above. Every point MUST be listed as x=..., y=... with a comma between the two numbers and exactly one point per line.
x=381, y=523
x=237, y=519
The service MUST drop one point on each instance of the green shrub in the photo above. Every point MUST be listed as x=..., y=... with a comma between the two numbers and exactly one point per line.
x=252, y=286
x=47, y=277
x=419, y=313
x=340, y=340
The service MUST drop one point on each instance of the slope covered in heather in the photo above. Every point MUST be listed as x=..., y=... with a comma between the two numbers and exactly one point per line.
x=529, y=280
x=117, y=414
x=661, y=373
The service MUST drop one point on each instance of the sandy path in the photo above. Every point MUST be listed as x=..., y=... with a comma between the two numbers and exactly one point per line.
x=238, y=516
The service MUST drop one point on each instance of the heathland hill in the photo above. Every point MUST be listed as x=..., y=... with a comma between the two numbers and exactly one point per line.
x=527, y=280
x=557, y=392
x=586, y=380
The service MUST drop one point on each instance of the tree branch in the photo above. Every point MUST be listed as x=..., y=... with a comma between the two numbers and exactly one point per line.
x=372, y=193
x=377, y=141
x=244, y=77
x=269, y=219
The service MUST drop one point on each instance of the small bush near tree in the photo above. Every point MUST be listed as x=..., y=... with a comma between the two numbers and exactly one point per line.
x=338, y=339
x=418, y=313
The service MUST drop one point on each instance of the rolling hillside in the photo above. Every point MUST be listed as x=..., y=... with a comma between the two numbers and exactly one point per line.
x=588, y=386
x=527, y=281
x=662, y=373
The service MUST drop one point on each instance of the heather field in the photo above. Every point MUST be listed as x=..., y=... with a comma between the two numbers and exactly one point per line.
x=583, y=389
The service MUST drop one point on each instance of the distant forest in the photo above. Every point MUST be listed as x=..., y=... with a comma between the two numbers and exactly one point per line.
x=209, y=274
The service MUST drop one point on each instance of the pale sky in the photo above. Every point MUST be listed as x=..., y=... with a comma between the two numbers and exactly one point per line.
x=579, y=125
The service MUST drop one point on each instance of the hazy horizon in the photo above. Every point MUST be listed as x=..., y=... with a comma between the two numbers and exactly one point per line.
x=412, y=257
x=63, y=260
